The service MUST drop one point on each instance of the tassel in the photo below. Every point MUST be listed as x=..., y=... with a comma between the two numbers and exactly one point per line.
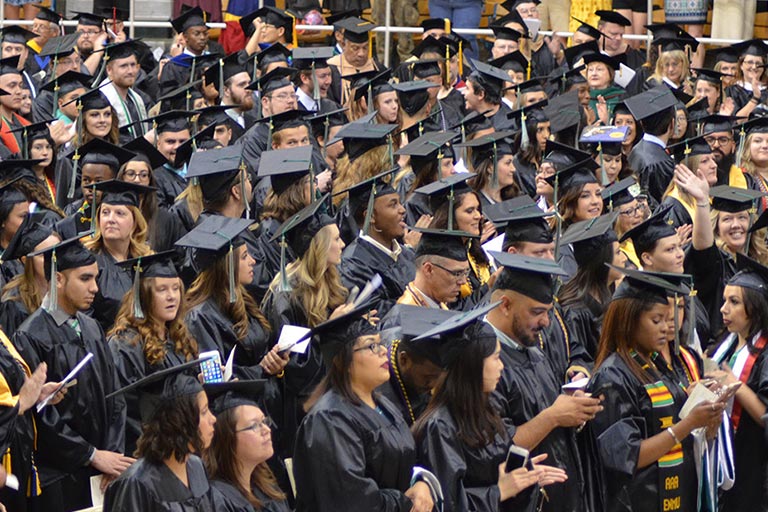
x=391, y=151
x=447, y=25
x=451, y=199
x=231, y=272
x=603, y=174
x=742, y=139
x=494, y=175
x=461, y=60
x=312, y=190
x=528, y=71
x=137, y=311
x=370, y=43
x=73, y=177
x=53, y=292
x=525, y=138
x=369, y=209
x=326, y=129
x=258, y=90
x=94, y=212
x=154, y=129
x=102, y=69
x=687, y=152
x=316, y=87
x=243, y=178
x=691, y=315
x=558, y=217
x=221, y=78
x=25, y=138
x=284, y=284
x=369, y=99
x=192, y=72
x=294, y=34
x=447, y=72
x=677, y=326
x=188, y=98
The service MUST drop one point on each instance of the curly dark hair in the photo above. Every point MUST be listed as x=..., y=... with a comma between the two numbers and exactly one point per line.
x=173, y=431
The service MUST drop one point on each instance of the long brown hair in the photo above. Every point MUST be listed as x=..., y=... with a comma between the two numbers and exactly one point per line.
x=484, y=173
x=286, y=204
x=209, y=284
x=37, y=193
x=113, y=137
x=336, y=379
x=151, y=331
x=221, y=461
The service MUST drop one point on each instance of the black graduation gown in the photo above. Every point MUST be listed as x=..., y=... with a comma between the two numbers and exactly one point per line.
x=165, y=230
x=626, y=420
x=525, y=175
x=42, y=107
x=169, y=185
x=741, y=96
x=234, y=501
x=75, y=223
x=416, y=206
x=499, y=119
x=469, y=476
x=114, y=282
x=456, y=105
x=13, y=312
x=267, y=255
x=86, y=420
x=711, y=269
x=750, y=447
x=255, y=141
x=677, y=214
x=63, y=179
x=154, y=488
x=528, y=385
x=543, y=63
x=361, y=260
x=584, y=319
x=478, y=291
x=352, y=457
x=394, y=393
x=10, y=269
x=128, y=354
x=653, y=166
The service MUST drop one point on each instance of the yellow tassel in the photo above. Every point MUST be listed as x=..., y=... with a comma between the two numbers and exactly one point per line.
x=294, y=36
x=447, y=26
x=461, y=59
x=447, y=73
x=529, y=69
x=370, y=45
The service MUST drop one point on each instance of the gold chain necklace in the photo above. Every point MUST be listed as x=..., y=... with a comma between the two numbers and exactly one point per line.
x=393, y=363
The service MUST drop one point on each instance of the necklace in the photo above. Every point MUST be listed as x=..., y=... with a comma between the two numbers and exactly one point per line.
x=393, y=364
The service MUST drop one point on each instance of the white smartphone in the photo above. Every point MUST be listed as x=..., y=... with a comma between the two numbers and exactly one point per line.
x=516, y=458
x=210, y=366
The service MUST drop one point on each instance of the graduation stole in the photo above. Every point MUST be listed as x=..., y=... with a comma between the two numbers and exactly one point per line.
x=689, y=365
x=481, y=271
x=664, y=410
x=690, y=208
x=744, y=376
x=736, y=177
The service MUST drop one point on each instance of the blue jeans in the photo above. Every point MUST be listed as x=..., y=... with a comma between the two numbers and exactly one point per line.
x=463, y=14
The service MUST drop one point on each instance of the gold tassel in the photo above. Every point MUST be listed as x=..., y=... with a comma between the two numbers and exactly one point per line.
x=447, y=25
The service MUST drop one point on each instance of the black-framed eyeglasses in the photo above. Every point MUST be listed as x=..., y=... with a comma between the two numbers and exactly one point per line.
x=458, y=274
x=375, y=348
x=266, y=422
x=722, y=141
x=631, y=212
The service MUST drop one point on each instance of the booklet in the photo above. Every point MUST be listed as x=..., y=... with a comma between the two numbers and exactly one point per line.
x=69, y=378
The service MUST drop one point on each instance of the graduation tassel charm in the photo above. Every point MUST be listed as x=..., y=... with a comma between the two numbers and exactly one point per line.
x=137, y=311
x=231, y=264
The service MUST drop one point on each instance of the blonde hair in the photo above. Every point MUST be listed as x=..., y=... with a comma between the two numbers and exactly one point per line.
x=194, y=196
x=138, y=243
x=757, y=249
x=26, y=284
x=314, y=284
x=665, y=57
x=369, y=164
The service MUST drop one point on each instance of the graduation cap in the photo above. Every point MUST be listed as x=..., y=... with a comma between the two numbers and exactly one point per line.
x=225, y=69
x=114, y=13
x=514, y=61
x=446, y=190
x=275, y=79
x=99, y=151
x=223, y=396
x=161, y=390
x=323, y=121
x=718, y=123
x=171, y=121
x=185, y=151
x=154, y=265
x=298, y=231
x=471, y=123
x=335, y=334
x=16, y=34
x=285, y=166
x=605, y=140
x=363, y=195
x=10, y=66
x=755, y=47
x=646, y=286
x=46, y=14
x=214, y=238
x=751, y=274
x=66, y=83
x=587, y=29
x=576, y=175
x=574, y=53
x=561, y=155
x=490, y=146
x=458, y=332
x=125, y=193
x=92, y=99
x=214, y=115
x=588, y=237
x=370, y=87
x=122, y=50
x=647, y=233
x=613, y=17
x=564, y=112
x=650, y=102
x=601, y=57
x=431, y=44
x=671, y=44
x=522, y=220
x=443, y=24
x=278, y=19
x=183, y=97
x=527, y=118
x=727, y=54
x=335, y=18
x=532, y=277
x=12, y=170
x=357, y=30
x=361, y=137
x=506, y=33
x=194, y=17
x=88, y=19
x=217, y=169
x=425, y=68
x=620, y=193
x=65, y=255
x=733, y=199
x=32, y=132
x=27, y=237
x=443, y=242
x=313, y=57
x=428, y=147
x=709, y=75
x=665, y=30
x=276, y=52
x=413, y=95
x=412, y=322
x=690, y=147
x=512, y=5
x=489, y=76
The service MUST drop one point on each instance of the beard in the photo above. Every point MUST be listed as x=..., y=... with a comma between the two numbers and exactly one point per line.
x=522, y=335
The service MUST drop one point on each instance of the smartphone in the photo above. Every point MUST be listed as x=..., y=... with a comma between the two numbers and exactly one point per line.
x=728, y=392
x=210, y=366
x=516, y=458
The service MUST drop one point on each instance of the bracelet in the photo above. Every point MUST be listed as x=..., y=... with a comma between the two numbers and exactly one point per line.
x=281, y=374
x=672, y=433
x=755, y=100
x=702, y=205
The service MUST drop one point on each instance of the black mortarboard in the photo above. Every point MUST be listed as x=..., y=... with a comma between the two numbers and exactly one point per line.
x=16, y=34
x=751, y=274
x=214, y=115
x=574, y=53
x=443, y=242
x=754, y=47
x=512, y=5
x=374, y=84
x=425, y=68
x=27, y=237
x=154, y=265
x=10, y=66
x=337, y=17
x=727, y=54
x=301, y=228
x=276, y=52
x=88, y=19
x=460, y=331
x=30, y=132
x=285, y=166
x=430, y=44
x=142, y=147
x=532, y=277
x=506, y=33
x=99, y=151
x=445, y=190
x=601, y=57
x=413, y=95
x=514, y=61
x=361, y=137
x=577, y=175
x=225, y=69
x=277, y=18
x=161, y=390
x=275, y=79
x=330, y=118
x=214, y=238
x=412, y=322
x=489, y=76
x=118, y=192
x=718, y=123
x=564, y=111
x=650, y=102
x=285, y=120
x=647, y=233
x=472, y=122
x=587, y=29
x=65, y=255
x=489, y=146
x=115, y=13
x=122, y=50
x=356, y=30
x=562, y=156
x=665, y=30
x=522, y=220
x=171, y=121
x=181, y=98
x=217, y=169
x=362, y=195
x=305, y=58
x=756, y=125
x=709, y=75
x=185, y=151
x=613, y=17
x=443, y=24
x=68, y=82
x=12, y=170
x=620, y=193
x=223, y=396
x=194, y=17
x=690, y=147
x=588, y=237
x=670, y=44
x=733, y=199
x=427, y=147
x=93, y=99
x=646, y=286
x=46, y=14
x=335, y=334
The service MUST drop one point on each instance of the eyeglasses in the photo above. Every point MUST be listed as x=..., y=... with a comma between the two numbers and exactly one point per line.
x=90, y=33
x=631, y=212
x=131, y=175
x=284, y=96
x=722, y=141
x=753, y=62
x=266, y=422
x=375, y=348
x=458, y=274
